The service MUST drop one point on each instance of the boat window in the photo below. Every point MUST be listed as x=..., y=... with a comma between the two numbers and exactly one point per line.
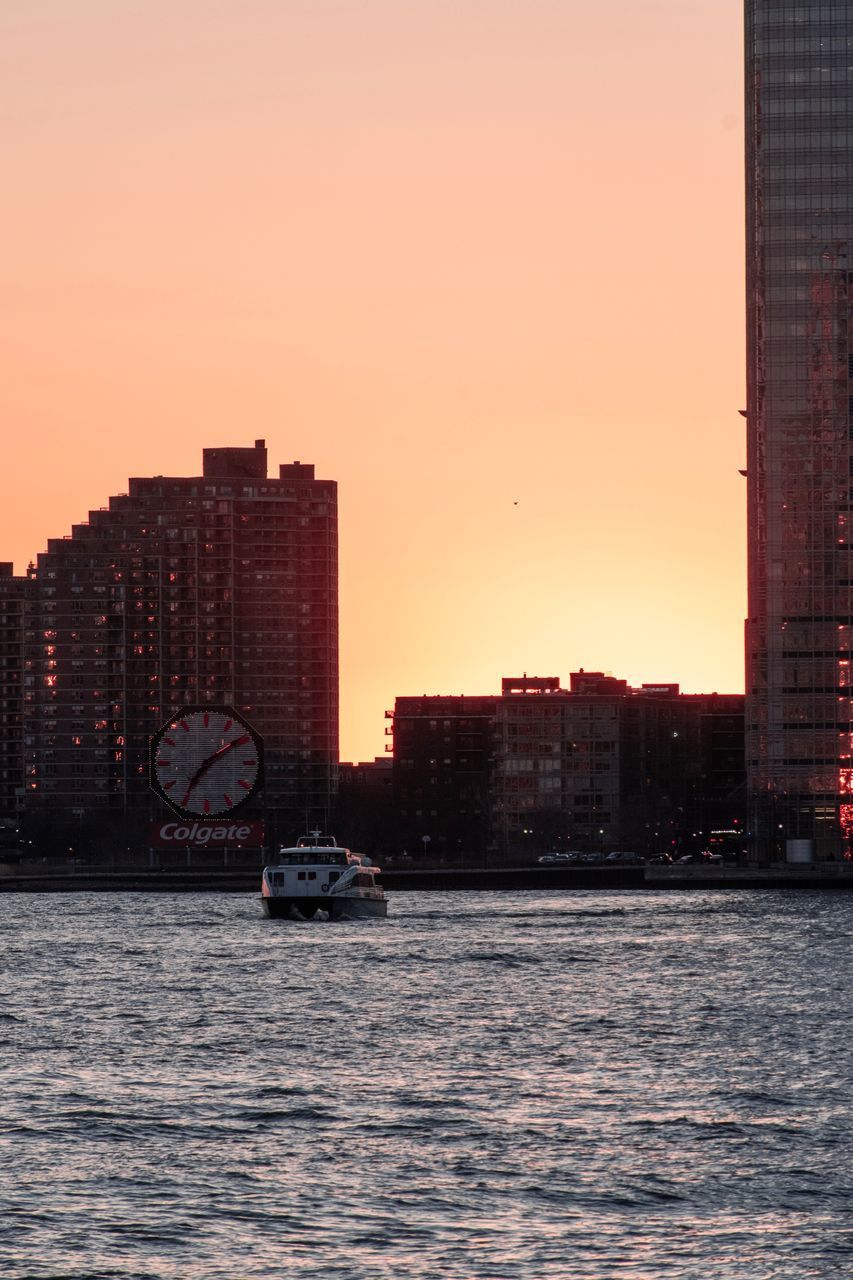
x=314, y=857
x=312, y=875
x=278, y=878
x=300, y=875
x=333, y=876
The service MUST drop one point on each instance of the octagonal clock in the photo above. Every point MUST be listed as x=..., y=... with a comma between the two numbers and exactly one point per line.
x=206, y=761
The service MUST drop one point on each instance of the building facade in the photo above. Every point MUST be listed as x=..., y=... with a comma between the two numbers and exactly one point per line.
x=596, y=767
x=442, y=775
x=799, y=633
x=721, y=809
x=14, y=595
x=364, y=817
x=218, y=588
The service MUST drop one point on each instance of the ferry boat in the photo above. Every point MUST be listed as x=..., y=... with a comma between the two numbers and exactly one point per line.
x=318, y=879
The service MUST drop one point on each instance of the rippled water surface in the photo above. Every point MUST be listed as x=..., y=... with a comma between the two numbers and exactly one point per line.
x=579, y=1085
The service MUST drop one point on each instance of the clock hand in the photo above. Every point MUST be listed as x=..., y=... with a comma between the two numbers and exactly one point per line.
x=211, y=760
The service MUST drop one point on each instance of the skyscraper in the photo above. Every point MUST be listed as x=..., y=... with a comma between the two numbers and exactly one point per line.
x=219, y=588
x=799, y=637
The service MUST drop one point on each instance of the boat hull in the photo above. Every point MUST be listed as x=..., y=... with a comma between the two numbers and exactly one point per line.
x=336, y=908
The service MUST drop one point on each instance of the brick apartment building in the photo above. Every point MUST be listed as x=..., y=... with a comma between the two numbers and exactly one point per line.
x=364, y=815
x=218, y=588
x=14, y=592
x=443, y=771
x=599, y=766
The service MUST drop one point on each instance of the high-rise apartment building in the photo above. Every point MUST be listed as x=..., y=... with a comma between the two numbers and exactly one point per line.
x=14, y=592
x=219, y=588
x=799, y=179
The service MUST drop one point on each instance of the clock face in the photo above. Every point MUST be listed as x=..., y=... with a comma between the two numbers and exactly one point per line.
x=206, y=761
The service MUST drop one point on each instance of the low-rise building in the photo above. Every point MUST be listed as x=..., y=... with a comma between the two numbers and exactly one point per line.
x=598, y=766
x=443, y=773
x=364, y=818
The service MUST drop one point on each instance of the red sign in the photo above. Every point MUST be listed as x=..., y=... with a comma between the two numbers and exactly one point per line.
x=183, y=833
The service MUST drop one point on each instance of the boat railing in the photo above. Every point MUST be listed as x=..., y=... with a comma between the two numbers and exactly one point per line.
x=346, y=878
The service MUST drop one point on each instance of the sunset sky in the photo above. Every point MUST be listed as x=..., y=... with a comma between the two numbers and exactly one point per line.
x=479, y=260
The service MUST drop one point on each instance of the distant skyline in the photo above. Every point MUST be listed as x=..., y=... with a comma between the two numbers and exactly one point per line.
x=482, y=264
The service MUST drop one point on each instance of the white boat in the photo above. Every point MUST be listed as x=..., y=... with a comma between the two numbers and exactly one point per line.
x=317, y=879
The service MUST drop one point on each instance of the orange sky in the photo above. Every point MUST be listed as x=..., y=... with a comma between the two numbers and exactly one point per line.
x=461, y=254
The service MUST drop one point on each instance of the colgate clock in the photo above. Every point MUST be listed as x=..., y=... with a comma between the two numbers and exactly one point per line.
x=206, y=762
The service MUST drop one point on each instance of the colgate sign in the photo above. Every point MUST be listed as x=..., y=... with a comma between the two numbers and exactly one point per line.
x=184, y=834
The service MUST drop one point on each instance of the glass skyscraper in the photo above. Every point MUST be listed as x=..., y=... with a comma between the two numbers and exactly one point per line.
x=799, y=174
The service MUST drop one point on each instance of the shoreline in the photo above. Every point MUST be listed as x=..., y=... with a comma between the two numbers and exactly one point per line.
x=835, y=877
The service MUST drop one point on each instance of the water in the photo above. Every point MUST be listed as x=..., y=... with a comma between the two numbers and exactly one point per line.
x=592, y=1086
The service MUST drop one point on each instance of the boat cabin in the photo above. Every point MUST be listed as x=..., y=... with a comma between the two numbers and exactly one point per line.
x=313, y=857
x=281, y=879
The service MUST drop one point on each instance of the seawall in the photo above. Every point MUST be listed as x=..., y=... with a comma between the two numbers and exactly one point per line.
x=500, y=879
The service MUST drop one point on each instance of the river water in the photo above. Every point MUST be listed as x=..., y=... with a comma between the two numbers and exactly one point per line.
x=585, y=1085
